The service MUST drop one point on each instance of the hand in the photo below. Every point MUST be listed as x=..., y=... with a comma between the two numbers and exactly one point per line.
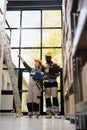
x=20, y=56
x=42, y=73
x=46, y=71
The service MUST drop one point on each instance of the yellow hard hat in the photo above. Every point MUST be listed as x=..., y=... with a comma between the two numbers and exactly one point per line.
x=48, y=53
x=39, y=60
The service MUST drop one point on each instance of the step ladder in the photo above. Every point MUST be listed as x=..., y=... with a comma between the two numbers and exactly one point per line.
x=13, y=78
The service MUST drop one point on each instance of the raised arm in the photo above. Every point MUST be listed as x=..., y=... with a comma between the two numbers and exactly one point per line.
x=25, y=64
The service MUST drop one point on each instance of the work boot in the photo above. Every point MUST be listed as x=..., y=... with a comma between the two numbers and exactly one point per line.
x=56, y=116
x=37, y=115
x=30, y=115
x=49, y=116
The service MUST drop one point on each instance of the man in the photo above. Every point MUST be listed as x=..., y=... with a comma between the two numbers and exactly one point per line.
x=50, y=84
x=34, y=90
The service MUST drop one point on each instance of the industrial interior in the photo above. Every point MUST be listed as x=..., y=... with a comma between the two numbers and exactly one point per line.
x=31, y=28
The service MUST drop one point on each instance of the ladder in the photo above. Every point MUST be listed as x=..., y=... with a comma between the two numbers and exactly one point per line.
x=13, y=78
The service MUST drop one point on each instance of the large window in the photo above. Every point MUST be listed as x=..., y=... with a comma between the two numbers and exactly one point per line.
x=33, y=33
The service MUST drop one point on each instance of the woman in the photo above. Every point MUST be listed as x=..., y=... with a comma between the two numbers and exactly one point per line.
x=34, y=90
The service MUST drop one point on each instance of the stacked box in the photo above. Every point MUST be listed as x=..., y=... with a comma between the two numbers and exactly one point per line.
x=84, y=82
x=71, y=105
x=66, y=106
x=66, y=87
x=0, y=51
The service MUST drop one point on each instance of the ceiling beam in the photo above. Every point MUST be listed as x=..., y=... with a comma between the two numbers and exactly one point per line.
x=34, y=4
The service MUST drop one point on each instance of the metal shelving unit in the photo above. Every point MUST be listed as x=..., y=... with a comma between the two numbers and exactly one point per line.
x=76, y=44
x=67, y=61
x=79, y=52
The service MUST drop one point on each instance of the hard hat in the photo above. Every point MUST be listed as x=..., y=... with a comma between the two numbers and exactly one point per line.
x=39, y=60
x=48, y=53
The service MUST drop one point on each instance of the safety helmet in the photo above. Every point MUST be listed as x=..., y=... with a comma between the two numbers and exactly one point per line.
x=39, y=60
x=48, y=53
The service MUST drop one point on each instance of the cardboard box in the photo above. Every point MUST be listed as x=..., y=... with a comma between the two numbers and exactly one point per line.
x=84, y=82
x=0, y=52
x=71, y=105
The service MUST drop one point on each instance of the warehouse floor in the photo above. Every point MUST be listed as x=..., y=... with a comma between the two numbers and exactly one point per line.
x=24, y=123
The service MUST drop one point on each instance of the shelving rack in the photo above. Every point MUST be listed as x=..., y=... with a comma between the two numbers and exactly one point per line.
x=67, y=61
x=75, y=61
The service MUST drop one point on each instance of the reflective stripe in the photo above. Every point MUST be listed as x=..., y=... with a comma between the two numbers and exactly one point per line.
x=46, y=80
x=52, y=80
x=49, y=80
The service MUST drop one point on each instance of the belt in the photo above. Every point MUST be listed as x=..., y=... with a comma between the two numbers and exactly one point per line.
x=48, y=80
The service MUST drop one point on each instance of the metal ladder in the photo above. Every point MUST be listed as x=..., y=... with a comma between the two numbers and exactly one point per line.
x=13, y=78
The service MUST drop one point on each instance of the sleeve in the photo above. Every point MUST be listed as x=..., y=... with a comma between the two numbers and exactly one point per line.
x=42, y=68
x=27, y=66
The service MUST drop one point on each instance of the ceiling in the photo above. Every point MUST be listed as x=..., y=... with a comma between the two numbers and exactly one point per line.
x=33, y=4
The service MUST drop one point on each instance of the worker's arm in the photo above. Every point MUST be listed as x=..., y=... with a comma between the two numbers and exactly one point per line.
x=54, y=70
x=20, y=57
x=25, y=64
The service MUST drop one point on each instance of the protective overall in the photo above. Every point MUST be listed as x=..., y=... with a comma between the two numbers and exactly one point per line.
x=34, y=91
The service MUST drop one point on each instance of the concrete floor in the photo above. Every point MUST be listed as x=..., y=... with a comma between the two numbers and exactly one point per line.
x=24, y=123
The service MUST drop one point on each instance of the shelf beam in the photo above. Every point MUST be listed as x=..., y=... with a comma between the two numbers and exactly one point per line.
x=80, y=28
x=81, y=107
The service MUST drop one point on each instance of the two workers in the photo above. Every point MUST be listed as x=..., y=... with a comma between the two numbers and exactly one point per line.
x=48, y=73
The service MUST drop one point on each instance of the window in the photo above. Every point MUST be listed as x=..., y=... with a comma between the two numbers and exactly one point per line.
x=14, y=54
x=13, y=18
x=37, y=29
x=29, y=55
x=51, y=38
x=51, y=18
x=34, y=32
x=15, y=38
x=31, y=19
x=30, y=38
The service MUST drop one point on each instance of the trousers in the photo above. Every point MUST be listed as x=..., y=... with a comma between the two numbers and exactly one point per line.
x=33, y=99
x=51, y=95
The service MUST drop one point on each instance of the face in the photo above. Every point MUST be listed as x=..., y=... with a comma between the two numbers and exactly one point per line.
x=36, y=65
x=48, y=59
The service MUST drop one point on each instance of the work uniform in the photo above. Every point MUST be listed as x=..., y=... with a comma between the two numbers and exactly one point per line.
x=34, y=92
x=51, y=85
